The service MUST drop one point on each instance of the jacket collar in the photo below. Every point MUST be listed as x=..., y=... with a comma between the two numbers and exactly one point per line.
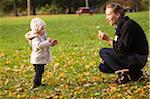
x=120, y=24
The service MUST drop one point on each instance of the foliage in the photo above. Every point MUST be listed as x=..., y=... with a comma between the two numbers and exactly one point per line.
x=144, y=5
x=6, y=6
x=141, y=4
x=50, y=9
x=61, y=6
x=74, y=72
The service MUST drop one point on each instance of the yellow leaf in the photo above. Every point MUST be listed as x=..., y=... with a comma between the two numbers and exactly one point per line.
x=80, y=77
x=96, y=78
x=129, y=92
x=56, y=64
x=86, y=73
x=78, y=89
x=2, y=54
x=113, y=89
x=6, y=81
x=119, y=95
x=62, y=74
x=129, y=97
x=87, y=66
x=10, y=93
x=49, y=74
x=7, y=62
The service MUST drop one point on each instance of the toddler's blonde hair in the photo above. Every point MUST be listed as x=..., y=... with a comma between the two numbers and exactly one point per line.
x=36, y=24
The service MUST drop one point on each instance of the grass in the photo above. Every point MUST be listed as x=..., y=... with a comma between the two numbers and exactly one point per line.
x=74, y=72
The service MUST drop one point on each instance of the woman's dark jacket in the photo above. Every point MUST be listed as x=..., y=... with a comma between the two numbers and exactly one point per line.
x=131, y=40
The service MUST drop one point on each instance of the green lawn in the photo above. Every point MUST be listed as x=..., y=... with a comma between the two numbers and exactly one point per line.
x=74, y=72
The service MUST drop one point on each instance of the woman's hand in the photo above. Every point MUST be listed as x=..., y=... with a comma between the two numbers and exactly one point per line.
x=103, y=36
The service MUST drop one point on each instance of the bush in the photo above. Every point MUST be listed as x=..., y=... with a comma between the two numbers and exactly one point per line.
x=50, y=9
x=144, y=5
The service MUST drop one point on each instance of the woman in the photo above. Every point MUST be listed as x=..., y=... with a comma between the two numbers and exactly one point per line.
x=130, y=47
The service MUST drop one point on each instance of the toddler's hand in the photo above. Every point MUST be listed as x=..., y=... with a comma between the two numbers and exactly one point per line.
x=30, y=35
x=49, y=39
x=54, y=42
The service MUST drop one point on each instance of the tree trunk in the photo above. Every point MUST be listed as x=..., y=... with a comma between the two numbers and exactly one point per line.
x=33, y=8
x=68, y=10
x=28, y=7
x=136, y=5
x=34, y=11
x=87, y=3
x=15, y=8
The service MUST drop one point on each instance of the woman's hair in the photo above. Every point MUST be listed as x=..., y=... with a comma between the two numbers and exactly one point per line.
x=36, y=24
x=117, y=8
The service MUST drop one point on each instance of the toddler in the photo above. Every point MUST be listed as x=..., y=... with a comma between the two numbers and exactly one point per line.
x=40, y=54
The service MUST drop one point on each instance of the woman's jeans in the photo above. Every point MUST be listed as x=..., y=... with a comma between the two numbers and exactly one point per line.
x=113, y=63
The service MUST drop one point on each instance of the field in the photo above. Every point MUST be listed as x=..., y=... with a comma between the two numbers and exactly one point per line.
x=74, y=72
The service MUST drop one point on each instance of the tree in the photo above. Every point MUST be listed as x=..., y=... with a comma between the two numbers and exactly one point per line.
x=28, y=7
x=15, y=8
x=136, y=5
x=87, y=3
x=18, y=7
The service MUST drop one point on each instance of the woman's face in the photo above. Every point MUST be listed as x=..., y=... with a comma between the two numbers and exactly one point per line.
x=111, y=16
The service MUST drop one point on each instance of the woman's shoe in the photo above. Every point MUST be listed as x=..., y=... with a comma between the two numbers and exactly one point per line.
x=123, y=76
